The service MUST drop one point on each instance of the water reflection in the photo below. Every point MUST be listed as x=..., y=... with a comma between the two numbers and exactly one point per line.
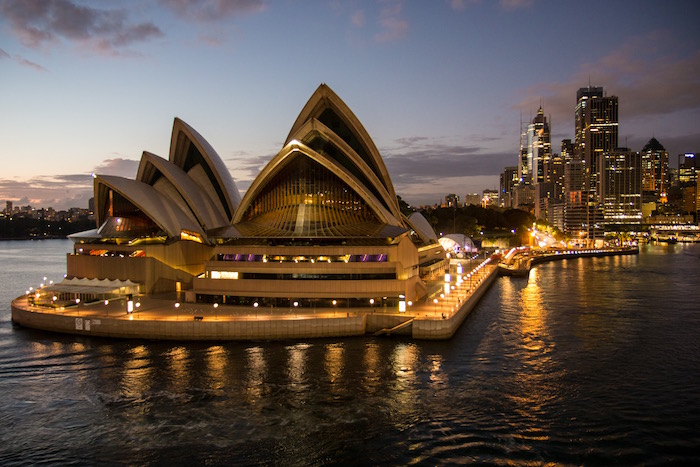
x=217, y=362
x=137, y=373
x=531, y=389
x=255, y=374
x=334, y=361
x=572, y=366
x=438, y=376
x=371, y=367
x=531, y=323
x=178, y=361
x=296, y=371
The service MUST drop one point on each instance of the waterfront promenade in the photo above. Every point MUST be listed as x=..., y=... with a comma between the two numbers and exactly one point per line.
x=168, y=317
x=437, y=316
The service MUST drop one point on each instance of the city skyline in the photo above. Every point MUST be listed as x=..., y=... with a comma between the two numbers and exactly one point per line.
x=441, y=88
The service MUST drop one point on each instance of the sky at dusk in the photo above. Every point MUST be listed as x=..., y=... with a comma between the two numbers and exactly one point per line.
x=441, y=86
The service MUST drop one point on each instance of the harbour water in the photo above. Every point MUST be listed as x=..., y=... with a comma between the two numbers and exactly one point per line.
x=586, y=361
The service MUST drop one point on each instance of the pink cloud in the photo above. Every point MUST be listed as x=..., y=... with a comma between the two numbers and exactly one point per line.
x=393, y=26
x=40, y=23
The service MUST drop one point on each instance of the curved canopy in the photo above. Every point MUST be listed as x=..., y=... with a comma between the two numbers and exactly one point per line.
x=457, y=243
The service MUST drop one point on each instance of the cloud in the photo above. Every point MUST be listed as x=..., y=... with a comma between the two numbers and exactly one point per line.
x=62, y=191
x=393, y=26
x=118, y=166
x=420, y=160
x=651, y=84
x=460, y=5
x=24, y=62
x=358, y=19
x=213, y=10
x=511, y=5
x=59, y=192
x=21, y=60
x=37, y=23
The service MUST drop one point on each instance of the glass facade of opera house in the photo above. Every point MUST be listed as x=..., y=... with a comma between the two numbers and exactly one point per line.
x=319, y=226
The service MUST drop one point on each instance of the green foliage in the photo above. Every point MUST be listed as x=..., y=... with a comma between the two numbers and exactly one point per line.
x=21, y=227
x=472, y=220
x=404, y=206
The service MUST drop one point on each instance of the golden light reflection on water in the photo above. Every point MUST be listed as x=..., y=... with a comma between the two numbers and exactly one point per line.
x=296, y=366
x=217, y=361
x=371, y=365
x=532, y=316
x=403, y=361
x=179, y=370
x=255, y=374
x=136, y=378
x=334, y=361
x=531, y=389
x=438, y=377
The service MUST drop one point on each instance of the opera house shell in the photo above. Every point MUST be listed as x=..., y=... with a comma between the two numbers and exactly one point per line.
x=319, y=226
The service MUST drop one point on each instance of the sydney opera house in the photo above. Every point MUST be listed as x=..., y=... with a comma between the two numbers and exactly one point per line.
x=320, y=226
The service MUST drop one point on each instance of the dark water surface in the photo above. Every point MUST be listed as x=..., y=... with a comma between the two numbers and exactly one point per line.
x=589, y=361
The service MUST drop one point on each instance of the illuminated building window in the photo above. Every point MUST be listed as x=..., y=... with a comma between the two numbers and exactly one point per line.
x=223, y=274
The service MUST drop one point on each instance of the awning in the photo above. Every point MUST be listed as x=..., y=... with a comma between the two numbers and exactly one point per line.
x=93, y=286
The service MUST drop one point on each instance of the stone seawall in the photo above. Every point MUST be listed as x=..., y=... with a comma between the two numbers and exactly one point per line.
x=264, y=329
x=437, y=329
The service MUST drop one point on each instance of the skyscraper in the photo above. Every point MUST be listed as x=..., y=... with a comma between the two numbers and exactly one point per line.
x=508, y=179
x=655, y=179
x=596, y=120
x=539, y=147
x=596, y=128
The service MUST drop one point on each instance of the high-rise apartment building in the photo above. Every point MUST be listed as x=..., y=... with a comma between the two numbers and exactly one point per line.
x=575, y=206
x=687, y=168
x=621, y=189
x=508, y=180
x=655, y=176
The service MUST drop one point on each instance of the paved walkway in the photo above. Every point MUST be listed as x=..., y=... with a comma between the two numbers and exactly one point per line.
x=439, y=303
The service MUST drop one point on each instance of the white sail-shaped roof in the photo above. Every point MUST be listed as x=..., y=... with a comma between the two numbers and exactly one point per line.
x=193, y=154
x=325, y=106
x=161, y=210
x=173, y=182
x=422, y=227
